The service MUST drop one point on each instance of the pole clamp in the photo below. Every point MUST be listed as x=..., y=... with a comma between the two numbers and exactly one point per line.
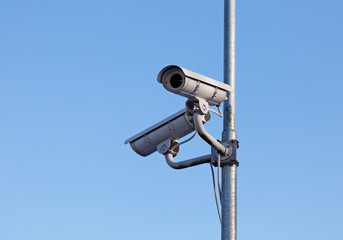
x=230, y=159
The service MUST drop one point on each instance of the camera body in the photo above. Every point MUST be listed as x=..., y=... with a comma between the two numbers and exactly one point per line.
x=193, y=85
x=173, y=127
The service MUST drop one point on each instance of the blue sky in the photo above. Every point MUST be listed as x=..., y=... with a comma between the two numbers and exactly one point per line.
x=77, y=78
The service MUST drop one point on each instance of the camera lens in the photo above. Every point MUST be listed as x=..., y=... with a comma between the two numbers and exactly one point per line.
x=176, y=81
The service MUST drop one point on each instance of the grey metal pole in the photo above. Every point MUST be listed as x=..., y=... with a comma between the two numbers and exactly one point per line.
x=229, y=172
x=229, y=202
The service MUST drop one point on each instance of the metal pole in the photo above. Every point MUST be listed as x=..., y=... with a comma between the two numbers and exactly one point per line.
x=229, y=202
x=229, y=172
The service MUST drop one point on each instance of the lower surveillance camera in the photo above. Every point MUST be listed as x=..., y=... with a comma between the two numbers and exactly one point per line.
x=193, y=85
x=174, y=127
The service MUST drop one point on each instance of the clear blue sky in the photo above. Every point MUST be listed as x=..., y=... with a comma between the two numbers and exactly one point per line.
x=77, y=78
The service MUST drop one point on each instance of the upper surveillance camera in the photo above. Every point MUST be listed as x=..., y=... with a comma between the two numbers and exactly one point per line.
x=193, y=85
x=173, y=127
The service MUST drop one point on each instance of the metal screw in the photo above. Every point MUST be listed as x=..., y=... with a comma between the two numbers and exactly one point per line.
x=163, y=148
x=204, y=108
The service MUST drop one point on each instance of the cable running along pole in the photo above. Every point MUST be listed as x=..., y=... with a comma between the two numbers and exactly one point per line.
x=229, y=171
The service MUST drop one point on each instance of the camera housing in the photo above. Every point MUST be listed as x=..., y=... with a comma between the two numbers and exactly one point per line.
x=193, y=85
x=174, y=127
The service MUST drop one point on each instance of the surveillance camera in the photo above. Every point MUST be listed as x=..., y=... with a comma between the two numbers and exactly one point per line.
x=193, y=85
x=173, y=127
